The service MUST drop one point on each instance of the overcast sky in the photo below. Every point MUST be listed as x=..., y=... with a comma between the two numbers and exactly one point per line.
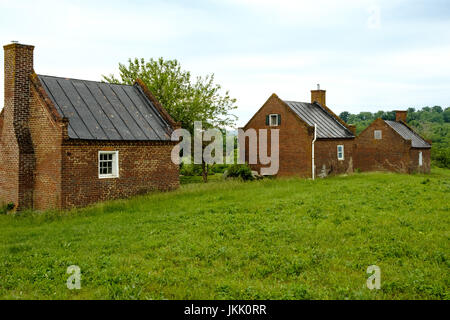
x=369, y=55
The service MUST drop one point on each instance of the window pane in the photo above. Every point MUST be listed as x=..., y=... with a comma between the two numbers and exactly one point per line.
x=107, y=163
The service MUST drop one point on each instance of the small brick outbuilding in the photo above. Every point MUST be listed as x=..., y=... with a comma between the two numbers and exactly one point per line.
x=392, y=146
x=68, y=143
x=296, y=121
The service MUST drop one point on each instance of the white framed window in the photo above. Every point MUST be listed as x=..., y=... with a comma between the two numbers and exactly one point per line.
x=340, y=152
x=420, y=159
x=108, y=164
x=274, y=120
x=377, y=134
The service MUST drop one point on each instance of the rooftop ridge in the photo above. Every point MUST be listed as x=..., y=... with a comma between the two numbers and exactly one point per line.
x=85, y=80
x=324, y=111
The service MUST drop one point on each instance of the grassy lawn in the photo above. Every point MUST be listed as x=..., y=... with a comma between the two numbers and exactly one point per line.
x=199, y=179
x=270, y=239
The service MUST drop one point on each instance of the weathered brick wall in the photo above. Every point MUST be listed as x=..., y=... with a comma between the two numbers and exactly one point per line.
x=391, y=153
x=17, y=155
x=414, y=160
x=143, y=167
x=295, y=139
x=1, y=123
x=326, y=160
x=9, y=160
x=47, y=138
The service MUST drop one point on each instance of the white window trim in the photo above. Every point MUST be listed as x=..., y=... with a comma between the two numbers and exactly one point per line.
x=115, y=165
x=374, y=134
x=270, y=120
x=420, y=159
x=341, y=158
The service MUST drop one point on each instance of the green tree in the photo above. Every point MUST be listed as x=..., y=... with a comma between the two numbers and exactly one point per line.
x=344, y=116
x=446, y=114
x=186, y=99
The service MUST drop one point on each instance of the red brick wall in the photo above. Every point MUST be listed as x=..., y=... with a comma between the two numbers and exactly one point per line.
x=295, y=139
x=9, y=160
x=1, y=124
x=326, y=160
x=17, y=155
x=143, y=167
x=391, y=153
x=414, y=160
x=47, y=138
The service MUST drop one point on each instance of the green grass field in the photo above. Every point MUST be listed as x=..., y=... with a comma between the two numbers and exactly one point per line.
x=270, y=239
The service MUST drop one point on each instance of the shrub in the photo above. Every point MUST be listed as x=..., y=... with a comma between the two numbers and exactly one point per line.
x=242, y=171
x=219, y=168
x=191, y=170
x=4, y=208
x=440, y=157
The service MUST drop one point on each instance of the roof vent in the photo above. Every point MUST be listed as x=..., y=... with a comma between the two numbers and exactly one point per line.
x=318, y=86
x=14, y=41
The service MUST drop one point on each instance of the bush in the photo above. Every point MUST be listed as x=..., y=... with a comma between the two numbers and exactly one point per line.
x=4, y=208
x=191, y=170
x=242, y=171
x=440, y=157
x=219, y=168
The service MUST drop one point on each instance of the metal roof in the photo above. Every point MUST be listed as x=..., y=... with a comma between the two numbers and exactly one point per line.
x=104, y=111
x=327, y=125
x=407, y=134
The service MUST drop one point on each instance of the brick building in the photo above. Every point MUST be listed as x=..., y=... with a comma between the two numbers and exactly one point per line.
x=392, y=146
x=67, y=143
x=296, y=121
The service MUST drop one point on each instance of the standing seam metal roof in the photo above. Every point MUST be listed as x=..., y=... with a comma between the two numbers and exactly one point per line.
x=407, y=134
x=327, y=125
x=104, y=111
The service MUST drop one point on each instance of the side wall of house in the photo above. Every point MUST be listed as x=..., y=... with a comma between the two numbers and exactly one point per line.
x=143, y=167
x=9, y=160
x=390, y=153
x=47, y=139
x=414, y=160
x=1, y=124
x=294, y=139
x=326, y=159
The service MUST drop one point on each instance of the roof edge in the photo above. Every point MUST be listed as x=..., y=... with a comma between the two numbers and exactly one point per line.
x=44, y=97
x=412, y=130
x=158, y=106
x=336, y=117
x=275, y=96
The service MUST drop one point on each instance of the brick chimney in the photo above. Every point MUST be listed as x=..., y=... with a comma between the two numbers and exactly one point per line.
x=18, y=68
x=318, y=96
x=400, y=115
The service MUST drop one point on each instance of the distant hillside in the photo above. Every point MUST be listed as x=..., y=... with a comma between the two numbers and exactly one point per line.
x=432, y=123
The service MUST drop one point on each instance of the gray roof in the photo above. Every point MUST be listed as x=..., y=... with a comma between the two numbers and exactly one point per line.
x=407, y=134
x=327, y=125
x=104, y=111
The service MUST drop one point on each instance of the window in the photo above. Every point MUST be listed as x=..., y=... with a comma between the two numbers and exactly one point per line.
x=273, y=120
x=377, y=134
x=420, y=159
x=340, y=152
x=108, y=164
